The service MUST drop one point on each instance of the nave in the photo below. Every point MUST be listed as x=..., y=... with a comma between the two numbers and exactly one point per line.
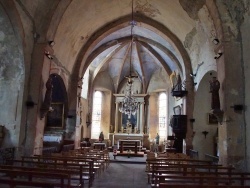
x=123, y=175
x=88, y=167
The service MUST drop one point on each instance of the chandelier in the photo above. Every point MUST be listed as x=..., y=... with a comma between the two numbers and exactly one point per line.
x=129, y=105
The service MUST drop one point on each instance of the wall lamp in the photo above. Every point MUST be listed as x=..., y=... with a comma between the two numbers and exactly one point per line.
x=216, y=41
x=192, y=75
x=192, y=120
x=237, y=107
x=30, y=104
x=48, y=54
x=51, y=43
x=205, y=133
x=218, y=55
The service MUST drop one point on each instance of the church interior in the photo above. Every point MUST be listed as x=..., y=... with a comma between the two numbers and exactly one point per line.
x=165, y=76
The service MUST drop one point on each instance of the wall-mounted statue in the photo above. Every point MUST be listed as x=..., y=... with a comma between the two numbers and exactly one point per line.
x=215, y=99
x=175, y=80
x=47, y=99
x=214, y=90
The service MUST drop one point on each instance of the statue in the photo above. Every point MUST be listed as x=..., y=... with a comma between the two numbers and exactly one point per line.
x=175, y=80
x=128, y=127
x=157, y=139
x=101, y=137
x=214, y=89
x=215, y=101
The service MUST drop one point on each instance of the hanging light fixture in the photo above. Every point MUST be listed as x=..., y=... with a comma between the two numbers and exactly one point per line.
x=129, y=105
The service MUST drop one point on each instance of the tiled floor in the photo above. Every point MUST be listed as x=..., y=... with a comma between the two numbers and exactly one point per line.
x=123, y=175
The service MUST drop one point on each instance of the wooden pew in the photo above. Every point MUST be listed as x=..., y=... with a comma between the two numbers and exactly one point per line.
x=95, y=159
x=98, y=158
x=186, y=168
x=19, y=177
x=166, y=185
x=229, y=177
x=82, y=170
x=69, y=172
x=14, y=183
x=203, y=181
x=165, y=171
x=177, y=164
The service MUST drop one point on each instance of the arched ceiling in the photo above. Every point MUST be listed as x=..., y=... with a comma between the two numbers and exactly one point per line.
x=151, y=50
x=96, y=35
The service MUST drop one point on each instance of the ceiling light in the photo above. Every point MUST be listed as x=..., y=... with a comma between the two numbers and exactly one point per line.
x=129, y=105
x=216, y=41
x=218, y=55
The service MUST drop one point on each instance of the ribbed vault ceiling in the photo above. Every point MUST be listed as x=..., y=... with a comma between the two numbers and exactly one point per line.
x=150, y=52
x=155, y=36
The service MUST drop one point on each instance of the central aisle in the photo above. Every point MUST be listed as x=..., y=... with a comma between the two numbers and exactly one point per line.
x=123, y=175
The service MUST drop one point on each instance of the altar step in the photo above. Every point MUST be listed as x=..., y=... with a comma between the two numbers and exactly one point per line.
x=130, y=154
x=144, y=150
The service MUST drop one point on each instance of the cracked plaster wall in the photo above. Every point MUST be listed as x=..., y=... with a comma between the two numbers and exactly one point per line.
x=200, y=143
x=11, y=81
x=198, y=41
x=245, y=28
x=233, y=134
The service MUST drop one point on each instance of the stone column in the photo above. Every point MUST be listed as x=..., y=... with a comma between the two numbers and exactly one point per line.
x=138, y=121
x=116, y=117
x=142, y=117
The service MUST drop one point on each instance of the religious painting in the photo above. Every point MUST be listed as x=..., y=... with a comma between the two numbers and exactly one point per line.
x=55, y=118
x=132, y=120
x=212, y=119
x=177, y=110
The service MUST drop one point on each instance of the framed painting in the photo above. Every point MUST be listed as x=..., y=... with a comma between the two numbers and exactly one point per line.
x=132, y=120
x=177, y=110
x=55, y=118
x=212, y=119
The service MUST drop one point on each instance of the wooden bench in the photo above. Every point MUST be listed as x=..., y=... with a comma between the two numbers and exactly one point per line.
x=203, y=181
x=166, y=185
x=16, y=177
x=14, y=183
x=161, y=165
x=69, y=172
x=83, y=171
x=100, y=158
x=98, y=163
x=239, y=177
x=185, y=169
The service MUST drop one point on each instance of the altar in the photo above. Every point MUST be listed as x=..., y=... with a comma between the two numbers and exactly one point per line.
x=120, y=145
x=115, y=137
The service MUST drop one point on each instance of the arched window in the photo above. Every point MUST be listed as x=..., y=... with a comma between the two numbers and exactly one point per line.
x=96, y=115
x=163, y=115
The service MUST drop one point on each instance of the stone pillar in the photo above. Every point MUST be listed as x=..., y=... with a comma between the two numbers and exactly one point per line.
x=138, y=121
x=116, y=117
x=142, y=117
